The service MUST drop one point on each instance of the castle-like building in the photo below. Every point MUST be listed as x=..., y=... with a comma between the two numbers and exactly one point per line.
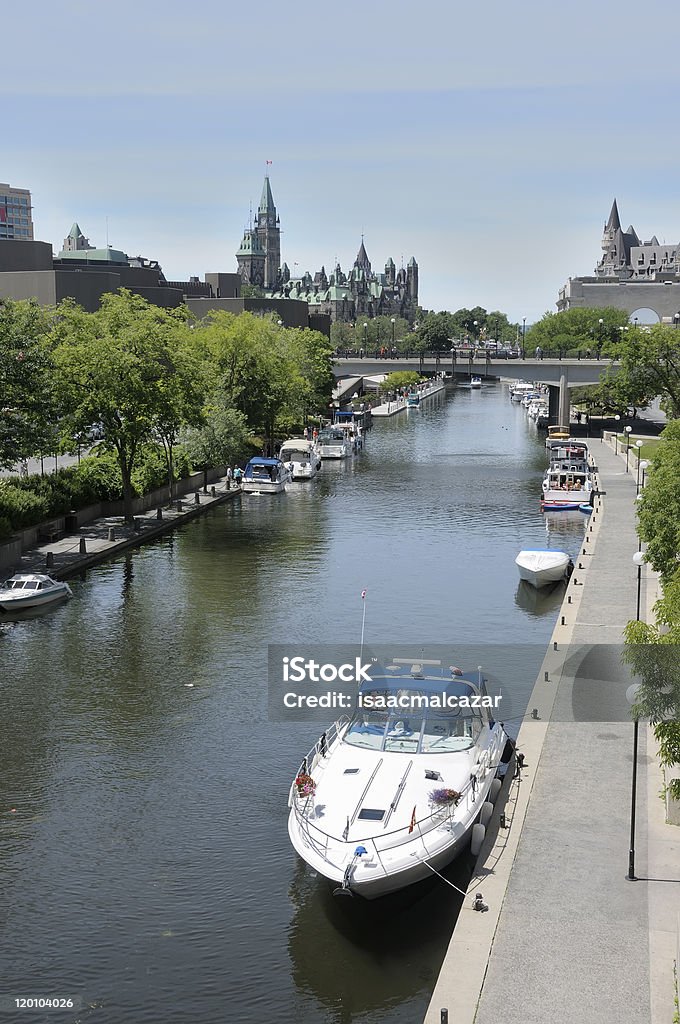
x=631, y=275
x=362, y=293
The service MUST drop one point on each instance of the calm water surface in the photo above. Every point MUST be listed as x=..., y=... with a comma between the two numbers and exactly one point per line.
x=146, y=866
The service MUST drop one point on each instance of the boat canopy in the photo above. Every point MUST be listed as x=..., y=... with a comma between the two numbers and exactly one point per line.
x=259, y=460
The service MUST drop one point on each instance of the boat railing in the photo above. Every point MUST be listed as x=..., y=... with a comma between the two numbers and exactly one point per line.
x=438, y=816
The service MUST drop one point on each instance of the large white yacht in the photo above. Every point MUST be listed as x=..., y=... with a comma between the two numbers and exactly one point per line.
x=393, y=794
x=264, y=476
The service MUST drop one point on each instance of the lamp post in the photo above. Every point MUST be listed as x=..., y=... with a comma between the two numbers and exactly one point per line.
x=365, y=337
x=642, y=466
x=599, y=337
x=638, y=559
x=524, y=330
x=393, y=322
x=676, y=319
x=616, y=434
x=631, y=697
x=628, y=430
x=638, y=445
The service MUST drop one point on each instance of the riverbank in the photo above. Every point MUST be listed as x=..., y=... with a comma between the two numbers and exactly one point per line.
x=107, y=536
x=565, y=932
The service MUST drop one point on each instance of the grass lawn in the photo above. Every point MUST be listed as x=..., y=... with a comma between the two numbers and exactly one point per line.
x=648, y=448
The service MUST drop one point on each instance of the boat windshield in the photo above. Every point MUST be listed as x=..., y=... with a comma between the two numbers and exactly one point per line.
x=412, y=726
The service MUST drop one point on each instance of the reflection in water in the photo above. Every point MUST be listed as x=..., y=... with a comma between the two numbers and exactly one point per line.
x=147, y=863
x=539, y=601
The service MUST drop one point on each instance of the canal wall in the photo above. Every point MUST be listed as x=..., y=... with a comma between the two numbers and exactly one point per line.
x=107, y=536
x=565, y=934
x=28, y=539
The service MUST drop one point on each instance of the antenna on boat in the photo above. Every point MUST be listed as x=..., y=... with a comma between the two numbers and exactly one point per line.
x=363, y=623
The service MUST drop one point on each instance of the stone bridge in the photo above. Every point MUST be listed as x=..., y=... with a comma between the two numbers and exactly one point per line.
x=558, y=374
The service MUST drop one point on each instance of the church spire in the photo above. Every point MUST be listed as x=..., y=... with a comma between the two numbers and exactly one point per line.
x=267, y=200
x=613, y=224
x=362, y=261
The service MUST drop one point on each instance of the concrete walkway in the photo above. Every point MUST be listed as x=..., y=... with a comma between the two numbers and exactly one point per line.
x=567, y=938
x=105, y=537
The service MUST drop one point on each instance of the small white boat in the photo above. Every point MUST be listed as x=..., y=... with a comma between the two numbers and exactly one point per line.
x=542, y=567
x=264, y=476
x=413, y=399
x=402, y=787
x=567, y=482
x=520, y=389
x=31, y=589
x=476, y=382
x=300, y=458
x=333, y=443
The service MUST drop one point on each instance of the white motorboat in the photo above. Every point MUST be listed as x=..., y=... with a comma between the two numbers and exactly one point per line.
x=264, y=476
x=520, y=389
x=540, y=567
x=567, y=482
x=31, y=589
x=405, y=785
x=333, y=443
x=300, y=458
x=476, y=382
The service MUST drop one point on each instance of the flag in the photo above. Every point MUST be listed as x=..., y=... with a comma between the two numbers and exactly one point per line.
x=363, y=595
x=413, y=821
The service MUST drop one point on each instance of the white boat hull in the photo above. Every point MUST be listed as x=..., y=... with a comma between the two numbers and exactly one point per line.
x=33, y=600
x=541, y=571
x=263, y=486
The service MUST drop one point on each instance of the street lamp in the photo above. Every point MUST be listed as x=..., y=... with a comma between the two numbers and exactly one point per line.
x=365, y=336
x=642, y=466
x=393, y=322
x=628, y=430
x=638, y=445
x=524, y=329
x=632, y=697
x=616, y=435
x=676, y=319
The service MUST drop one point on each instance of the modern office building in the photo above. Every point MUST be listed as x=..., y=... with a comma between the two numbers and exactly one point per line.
x=16, y=222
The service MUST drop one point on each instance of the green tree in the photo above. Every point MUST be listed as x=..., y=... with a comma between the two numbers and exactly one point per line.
x=578, y=328
x=223, y=439
x=28, y=409
x=659, y=505
x=400, y=379
x=122, y=366
x=437, y=332
x=649, y=363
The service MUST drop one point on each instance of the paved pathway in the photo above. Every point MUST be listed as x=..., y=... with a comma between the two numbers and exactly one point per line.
x=570, y=939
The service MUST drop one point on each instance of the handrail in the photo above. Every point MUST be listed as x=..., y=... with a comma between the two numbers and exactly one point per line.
x=366, y=789
x=397, y=795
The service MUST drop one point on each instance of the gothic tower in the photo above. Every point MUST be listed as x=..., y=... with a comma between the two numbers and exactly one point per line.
x=269, y=235
x=251, y=259
x=412, y=281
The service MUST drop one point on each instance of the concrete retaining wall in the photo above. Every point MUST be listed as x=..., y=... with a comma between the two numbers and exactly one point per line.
x=11, y=550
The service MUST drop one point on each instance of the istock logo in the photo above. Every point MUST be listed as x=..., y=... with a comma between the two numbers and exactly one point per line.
x=299, y=670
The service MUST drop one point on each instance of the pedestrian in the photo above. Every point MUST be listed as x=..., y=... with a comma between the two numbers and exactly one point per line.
x=229, y=476
x=539, y=352
x=315, y=434
x=588, y=353
x=578, y=417
x=237, y=476
x=305, y=433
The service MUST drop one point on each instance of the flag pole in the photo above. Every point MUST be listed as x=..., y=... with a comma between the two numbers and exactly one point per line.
x=363, y=623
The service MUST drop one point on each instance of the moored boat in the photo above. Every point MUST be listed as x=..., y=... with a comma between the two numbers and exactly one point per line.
x=567, y=482
x=402, y=787
x=541, y=567
x=264, y=476
x=333, y=443
x=301, y=458
x=476, y=382
x=30, y=590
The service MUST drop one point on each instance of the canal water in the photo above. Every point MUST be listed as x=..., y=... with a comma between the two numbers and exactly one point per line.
x=145, y=866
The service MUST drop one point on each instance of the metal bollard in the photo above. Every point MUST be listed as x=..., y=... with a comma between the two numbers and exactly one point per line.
x=112, y=533
x=554, y=645
x=444, y=1016
x=564, y=622
x=534, y=714
x=49, y=559
x=159, y=513
x=137, y=525
x=83, y=546
x=546, y=675
x=197, y=498
x=178, y=506
x=213, y=492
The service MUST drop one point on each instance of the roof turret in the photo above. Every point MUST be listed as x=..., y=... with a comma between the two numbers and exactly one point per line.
x=613, y=223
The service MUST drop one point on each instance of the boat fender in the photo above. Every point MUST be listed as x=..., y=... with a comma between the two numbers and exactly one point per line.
x=485, y=813
x=477, y=840
x=455, y=671
x=494, y=790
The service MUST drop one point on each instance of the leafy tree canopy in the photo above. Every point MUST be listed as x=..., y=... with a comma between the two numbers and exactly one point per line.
x=27, y=399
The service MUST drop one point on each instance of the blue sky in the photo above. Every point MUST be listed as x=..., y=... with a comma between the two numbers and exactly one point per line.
x=487, y=142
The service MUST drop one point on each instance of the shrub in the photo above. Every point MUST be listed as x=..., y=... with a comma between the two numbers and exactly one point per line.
x=5, y=528
x=22, y=508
